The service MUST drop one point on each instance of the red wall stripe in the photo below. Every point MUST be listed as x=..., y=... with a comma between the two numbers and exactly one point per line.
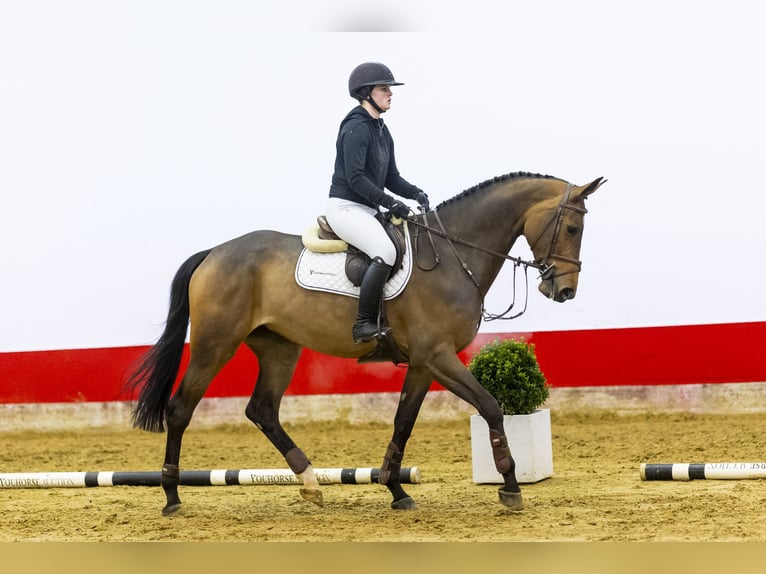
x=716, y=353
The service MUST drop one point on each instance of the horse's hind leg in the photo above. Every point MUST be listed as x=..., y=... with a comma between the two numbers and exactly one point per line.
x=416, y=385
x=203, y=366
x=277, y=358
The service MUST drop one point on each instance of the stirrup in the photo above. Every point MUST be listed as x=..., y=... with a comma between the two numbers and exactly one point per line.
x=368, y=332
x=386, y=351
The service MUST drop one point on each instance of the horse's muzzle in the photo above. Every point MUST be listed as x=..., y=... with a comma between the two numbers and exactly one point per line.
x=565, y=294
x=549, y=289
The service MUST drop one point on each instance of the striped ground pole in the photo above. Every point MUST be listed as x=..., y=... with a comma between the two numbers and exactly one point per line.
x=407, y=475
x=703, y=471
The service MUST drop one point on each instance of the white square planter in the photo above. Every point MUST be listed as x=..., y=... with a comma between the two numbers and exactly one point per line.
x=529, y=437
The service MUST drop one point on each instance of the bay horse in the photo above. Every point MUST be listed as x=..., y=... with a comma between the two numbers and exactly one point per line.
x=244, y=291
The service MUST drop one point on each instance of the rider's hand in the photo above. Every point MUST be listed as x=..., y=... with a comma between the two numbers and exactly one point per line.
x=398, y=209
x=422, y=200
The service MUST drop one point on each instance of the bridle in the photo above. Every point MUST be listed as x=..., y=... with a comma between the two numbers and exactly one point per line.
x=558, y=217
x=547, y=270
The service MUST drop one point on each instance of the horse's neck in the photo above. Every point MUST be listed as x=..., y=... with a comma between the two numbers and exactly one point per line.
x=493, y=219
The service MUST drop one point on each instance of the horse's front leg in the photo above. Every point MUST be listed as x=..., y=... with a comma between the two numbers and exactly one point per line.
x=451, y=373
x=416, y=385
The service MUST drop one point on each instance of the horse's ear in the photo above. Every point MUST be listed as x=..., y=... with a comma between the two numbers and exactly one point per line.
x=592, y=186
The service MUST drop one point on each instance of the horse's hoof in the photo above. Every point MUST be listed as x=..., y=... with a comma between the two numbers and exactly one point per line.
x=512, y=500
x=172, y=510
x=313, y=495
x=407, y=503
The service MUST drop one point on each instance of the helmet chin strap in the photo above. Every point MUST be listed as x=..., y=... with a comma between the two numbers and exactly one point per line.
x=374, y=105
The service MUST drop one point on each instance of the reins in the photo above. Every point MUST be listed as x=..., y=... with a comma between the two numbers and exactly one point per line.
x=454, y=239
x=546, y=270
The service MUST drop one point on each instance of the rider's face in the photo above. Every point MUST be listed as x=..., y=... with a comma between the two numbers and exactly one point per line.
x=381, y=95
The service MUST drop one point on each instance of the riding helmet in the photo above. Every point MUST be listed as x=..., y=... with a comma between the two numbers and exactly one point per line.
x=368, y=75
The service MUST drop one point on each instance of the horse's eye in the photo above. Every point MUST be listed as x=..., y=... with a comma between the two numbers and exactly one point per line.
x=573, y=229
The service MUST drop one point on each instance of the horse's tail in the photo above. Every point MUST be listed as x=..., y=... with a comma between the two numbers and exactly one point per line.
x=157, y=369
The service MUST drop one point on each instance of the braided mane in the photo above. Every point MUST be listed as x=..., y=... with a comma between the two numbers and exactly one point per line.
x=484, y=184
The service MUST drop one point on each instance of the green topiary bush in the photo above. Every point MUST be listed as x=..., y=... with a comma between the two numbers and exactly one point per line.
x=509, y=370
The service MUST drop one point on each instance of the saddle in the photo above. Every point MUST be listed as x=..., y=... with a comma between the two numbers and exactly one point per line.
x=357, y=261
x=322, y=239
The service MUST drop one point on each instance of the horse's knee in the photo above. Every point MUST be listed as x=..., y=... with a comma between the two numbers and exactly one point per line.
x=493, y=414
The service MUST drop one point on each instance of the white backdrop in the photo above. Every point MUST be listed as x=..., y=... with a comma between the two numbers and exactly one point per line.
x=133, y=134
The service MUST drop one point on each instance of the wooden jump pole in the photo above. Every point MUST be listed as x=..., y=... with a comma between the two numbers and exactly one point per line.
x=198, y=477
x=703, y=471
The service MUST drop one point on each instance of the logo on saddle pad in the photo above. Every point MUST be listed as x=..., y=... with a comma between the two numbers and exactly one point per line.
x=323, y=271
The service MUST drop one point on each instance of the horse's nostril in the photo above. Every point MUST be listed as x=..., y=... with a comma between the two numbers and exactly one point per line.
x=567, y=293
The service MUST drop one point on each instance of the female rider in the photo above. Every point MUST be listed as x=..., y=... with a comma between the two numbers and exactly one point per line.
x=364, y=166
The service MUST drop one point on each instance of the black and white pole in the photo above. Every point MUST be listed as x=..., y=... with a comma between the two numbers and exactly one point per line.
x=703, y=471
x=242, y=477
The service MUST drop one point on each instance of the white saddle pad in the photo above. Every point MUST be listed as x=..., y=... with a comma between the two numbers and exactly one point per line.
x=327, y=272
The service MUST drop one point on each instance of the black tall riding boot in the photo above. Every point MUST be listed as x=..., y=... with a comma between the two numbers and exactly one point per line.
x=371, y=289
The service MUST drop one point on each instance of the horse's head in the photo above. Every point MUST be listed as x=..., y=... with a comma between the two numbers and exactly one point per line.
x=553, y=228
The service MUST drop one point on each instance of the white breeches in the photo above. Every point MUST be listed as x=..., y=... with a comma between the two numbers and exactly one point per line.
x=356, y=224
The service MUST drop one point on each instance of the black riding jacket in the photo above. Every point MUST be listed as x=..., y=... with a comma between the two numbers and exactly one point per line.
x=365, y=164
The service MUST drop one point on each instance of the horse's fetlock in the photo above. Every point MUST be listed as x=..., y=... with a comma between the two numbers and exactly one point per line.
x=170, y=475
x=297, y=460
x=501, y=452
x=392, y=462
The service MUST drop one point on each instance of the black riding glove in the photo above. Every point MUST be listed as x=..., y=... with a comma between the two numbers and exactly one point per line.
x=422, y=200
x=398, y=209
